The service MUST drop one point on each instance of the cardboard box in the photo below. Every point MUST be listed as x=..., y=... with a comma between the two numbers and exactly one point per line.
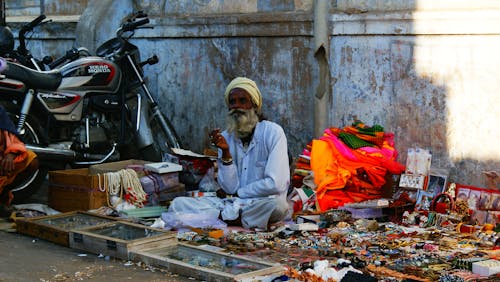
x=163, y=197
x=75, y=189
x=163, y=167
x=170, y=194
x=486, y=267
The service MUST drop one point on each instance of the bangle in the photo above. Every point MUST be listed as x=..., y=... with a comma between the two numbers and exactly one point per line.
x=227, y=162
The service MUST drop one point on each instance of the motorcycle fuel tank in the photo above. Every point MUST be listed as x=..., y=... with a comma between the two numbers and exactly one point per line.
x=91, y=75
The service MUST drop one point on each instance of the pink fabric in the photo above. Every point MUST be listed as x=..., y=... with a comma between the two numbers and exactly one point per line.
x=341, y=147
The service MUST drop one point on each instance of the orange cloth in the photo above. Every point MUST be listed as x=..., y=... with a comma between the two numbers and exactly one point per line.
x=332, y=170
x=9, y=143
x=358, y=173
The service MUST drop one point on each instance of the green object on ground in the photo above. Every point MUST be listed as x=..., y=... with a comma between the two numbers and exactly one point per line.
x=154, y=211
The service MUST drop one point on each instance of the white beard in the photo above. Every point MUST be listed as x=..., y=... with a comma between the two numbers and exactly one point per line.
x=242, y=122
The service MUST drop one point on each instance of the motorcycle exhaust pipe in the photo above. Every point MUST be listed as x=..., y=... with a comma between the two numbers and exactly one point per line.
x=45, y=153
x=52, y=153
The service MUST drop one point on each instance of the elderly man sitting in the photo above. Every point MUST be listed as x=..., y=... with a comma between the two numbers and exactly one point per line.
x=253, y=165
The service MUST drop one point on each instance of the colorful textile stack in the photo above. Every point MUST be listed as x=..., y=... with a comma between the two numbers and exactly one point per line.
x=156, y=185
x=351, y=164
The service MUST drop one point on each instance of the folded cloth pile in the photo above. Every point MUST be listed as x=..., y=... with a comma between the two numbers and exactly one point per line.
x=351, y=164
x=155, y=183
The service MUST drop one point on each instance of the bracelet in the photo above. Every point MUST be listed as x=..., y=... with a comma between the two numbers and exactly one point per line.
x=227, y=162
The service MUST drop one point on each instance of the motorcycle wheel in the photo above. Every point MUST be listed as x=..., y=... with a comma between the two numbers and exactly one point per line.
x=162, y=141
x=31, y=134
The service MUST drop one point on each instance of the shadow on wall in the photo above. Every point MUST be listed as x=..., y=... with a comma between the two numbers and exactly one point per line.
x=433, y=82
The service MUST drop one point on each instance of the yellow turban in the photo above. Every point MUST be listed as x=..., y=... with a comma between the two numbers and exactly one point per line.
x=249, y=86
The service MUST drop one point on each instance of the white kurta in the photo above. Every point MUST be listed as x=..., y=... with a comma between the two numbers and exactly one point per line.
x=260, y=174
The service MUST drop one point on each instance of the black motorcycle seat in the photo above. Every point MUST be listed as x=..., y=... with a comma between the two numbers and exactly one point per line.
x=47, y=80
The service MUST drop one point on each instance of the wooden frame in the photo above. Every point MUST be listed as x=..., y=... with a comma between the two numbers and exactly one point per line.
x=478, y=198
x=56, y=228
x=118, y=238
x=424, y=200
x=412, y=181
x=166, y=255
x=436, y=182
x=484, y=203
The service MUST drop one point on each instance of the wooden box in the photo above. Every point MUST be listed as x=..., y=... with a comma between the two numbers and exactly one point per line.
x=55, y=228
x=84, y=188
x=118, y=238
x=172, y=193
x=205, y=264
x=137, y=165
x=76, y=189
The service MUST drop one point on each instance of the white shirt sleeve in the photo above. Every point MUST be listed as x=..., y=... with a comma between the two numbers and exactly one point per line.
x=260, y=171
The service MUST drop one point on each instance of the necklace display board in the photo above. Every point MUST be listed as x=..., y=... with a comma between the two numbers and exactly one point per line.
x=56, y=228
x=117, y=239
x=205, y=264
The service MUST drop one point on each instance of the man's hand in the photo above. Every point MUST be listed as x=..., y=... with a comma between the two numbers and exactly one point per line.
x=7, y=164
x=221, y=193
x=218, y=140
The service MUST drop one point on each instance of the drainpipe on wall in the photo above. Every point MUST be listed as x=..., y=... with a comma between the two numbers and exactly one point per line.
x=321, y=47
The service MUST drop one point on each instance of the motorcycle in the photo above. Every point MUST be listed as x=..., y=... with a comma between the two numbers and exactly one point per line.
x=91, y=110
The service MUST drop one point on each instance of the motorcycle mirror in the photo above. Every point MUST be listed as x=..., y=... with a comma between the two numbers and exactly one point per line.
x=153, y=60
x=150, y=61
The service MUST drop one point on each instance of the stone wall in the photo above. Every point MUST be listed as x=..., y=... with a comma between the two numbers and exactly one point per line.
x=48, y=7
x=425, y=70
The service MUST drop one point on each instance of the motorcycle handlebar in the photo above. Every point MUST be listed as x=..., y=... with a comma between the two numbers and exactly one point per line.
x=70, y=55
x=33, y=23
x=28, y=27
x=130, y=26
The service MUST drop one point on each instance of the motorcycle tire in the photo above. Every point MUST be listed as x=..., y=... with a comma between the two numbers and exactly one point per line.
x=31, y=134
x=164, y=140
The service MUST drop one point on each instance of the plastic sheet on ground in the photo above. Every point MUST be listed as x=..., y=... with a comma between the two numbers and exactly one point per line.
x=179, y=220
